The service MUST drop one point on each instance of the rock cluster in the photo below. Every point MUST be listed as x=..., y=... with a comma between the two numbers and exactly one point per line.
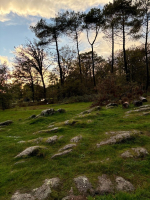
x=67, y=148
x=105, y=185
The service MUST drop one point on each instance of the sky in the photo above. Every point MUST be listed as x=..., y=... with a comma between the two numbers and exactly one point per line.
x=16, y=17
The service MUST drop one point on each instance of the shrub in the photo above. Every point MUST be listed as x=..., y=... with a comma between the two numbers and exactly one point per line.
x=117, y=89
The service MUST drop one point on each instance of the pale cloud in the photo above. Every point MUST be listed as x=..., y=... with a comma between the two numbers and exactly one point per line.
x=46, y=8
x=3, y=18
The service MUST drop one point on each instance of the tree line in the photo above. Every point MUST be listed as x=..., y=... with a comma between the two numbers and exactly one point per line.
x=76, y=73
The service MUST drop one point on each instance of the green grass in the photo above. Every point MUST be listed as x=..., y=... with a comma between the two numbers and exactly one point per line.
x=85, y=159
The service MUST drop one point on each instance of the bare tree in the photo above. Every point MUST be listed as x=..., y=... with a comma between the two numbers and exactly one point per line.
x=29, y=61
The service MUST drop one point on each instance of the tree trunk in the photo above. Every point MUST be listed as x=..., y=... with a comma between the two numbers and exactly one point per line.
x=78, y=55
x=44, y=89
x=124, y=54
x=146, y=54
x=112, y=64
x=93, y=66
x=32, y=86
x=58, y=59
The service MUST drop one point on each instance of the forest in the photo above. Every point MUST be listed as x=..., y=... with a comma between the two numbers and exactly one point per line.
x=67, y=74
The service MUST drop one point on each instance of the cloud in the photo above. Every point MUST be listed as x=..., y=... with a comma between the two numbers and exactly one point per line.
x=46, y=8
x=3, y=18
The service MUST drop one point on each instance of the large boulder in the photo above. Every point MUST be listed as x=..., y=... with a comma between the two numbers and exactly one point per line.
x=83, y=185
x=6, y=123
x=30, y=151
x=123, y=185
x=105, y=185
x=119, y=137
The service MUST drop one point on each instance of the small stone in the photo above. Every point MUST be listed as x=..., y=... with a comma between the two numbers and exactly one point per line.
x=94, y=109
x=146, y=113
x=68, y=146
x=143, y=99
x=141, y=109
x=47, y=131
x=145, y=106
x=6, y=123
x=47, y=112
x=126, y=154
x=60, y=137
x=125, y=105
x=18, y=196
x=66, y=198
x=73, y=197
x=32, y=117
x=62, y=153
x=30, y=151
x=137, y=103
x=20, y=162
x=140, y=152
x=22, y=141
x=83, y=185
x=123, y=185
x=70, y=122
x=52, y=139
x=51, y=126
x=91, y=110
x=76, y=139
x=60, y=110
x=104, y=185
x=111, y=105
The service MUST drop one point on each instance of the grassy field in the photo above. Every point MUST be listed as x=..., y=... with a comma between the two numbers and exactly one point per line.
x=85, y=159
